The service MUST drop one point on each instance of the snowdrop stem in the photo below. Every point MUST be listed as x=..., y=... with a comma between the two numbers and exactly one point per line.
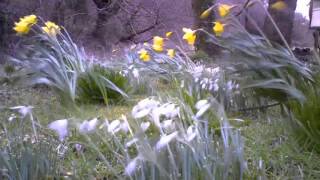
x=33, y=126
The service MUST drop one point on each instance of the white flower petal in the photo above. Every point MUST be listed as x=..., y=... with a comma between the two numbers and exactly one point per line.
x=203, y=109
x=201, y=103
x=61, y=127
x=144, y=126
x=114, y=126
x=165, y=140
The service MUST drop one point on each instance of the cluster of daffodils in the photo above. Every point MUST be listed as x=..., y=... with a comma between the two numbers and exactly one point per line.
x=158, y=46
x=189, y=34
x=25, y=24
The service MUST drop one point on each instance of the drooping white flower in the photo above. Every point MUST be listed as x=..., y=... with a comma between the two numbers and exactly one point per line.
x=169, y=110
x=135, y=73
x=202, y=106
x=131, y=167
x=191, y=133
x=168, y=125
x=144, y=126
x=144, y=107
x=114, y=126
x=23, y=110
x=165, y=140
x=88, y=126
x=61, y=128
x=201, y=103
x=202, y=110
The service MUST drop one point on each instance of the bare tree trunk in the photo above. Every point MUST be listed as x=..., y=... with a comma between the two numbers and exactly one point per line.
x=106, y=9
x=284, y=19
x=198, y=7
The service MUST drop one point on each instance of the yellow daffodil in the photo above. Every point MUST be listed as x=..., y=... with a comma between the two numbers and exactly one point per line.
x=144, y=55
x=25, y=24
x=21, y=28
x=189, y=35
x=224, y=10
x=51, y=28
x=218, y=28
x=31, y=19
x=158, y=43
x=168, y=34
x=171, y=53
x=205, y=13
x=279, y=5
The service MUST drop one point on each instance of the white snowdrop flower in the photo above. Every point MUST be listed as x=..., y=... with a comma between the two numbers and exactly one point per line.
x=182, y=84
x=203, y=86
x=191, y=133
x=230, y=85
x=131, y=167
x=88, y=126
x=23, y=110
x=144, y=126
x=144, y=107
x=168, y=125
x=124, y=126
x=12, y=117
x=201, y=103
x=202, y=110
x=215, y=87
x=165, y=140
x=135, y=73
x=114, y=126
x=61, y=128
x=196, y=80
x=129, y=143
x=166, y=109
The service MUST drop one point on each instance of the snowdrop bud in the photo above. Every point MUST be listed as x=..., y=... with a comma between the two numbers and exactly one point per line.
x=165, y=140
x=114, y=126
x=61, y=128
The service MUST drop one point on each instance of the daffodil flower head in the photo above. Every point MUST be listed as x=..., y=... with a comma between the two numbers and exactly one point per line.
x=158, y=43
x=224, y=10
x=24, y=25
x=171, y=53
x=189, y=35
x=279, y=5
x=169, y=34
x=31, y=19
x=51, y=28
x=218, y=28
x=144, y=55
x=206, y=13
